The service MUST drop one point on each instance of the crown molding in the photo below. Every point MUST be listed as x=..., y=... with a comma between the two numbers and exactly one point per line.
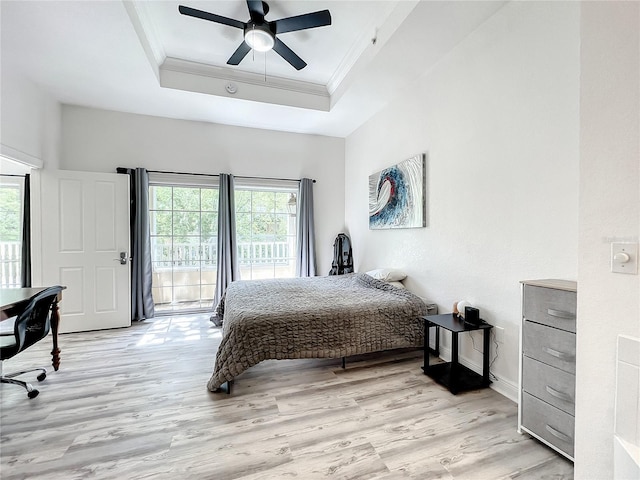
x=202, y=78
x=365, y=41
x=368, y=45
x=146, y=31
x=186, y=75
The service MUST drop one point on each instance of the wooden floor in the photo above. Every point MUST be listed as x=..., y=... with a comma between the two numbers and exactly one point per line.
x=132, y=404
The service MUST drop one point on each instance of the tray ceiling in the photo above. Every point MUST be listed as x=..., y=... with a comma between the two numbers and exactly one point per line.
x=144, y=57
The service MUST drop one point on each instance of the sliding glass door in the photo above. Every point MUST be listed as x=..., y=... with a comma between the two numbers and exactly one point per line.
x=183, y=225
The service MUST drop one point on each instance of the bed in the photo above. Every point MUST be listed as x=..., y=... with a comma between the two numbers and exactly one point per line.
x=313, y=317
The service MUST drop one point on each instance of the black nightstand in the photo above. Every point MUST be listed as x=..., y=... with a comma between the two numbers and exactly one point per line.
x=457, y=378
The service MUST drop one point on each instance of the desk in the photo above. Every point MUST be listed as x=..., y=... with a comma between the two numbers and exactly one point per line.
x=13, y=300
x=453, y=375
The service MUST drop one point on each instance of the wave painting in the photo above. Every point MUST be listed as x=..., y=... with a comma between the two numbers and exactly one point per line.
x=396, y=195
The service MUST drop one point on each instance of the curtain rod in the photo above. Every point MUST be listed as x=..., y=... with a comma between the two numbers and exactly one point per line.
x=127, y=170
x=12, y=175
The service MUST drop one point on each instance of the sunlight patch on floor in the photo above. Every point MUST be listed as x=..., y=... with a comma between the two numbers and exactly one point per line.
x=179, y=329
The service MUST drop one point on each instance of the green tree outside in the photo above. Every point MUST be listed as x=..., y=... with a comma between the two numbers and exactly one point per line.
x=10, y=213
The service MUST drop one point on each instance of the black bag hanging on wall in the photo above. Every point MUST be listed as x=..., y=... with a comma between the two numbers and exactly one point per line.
x=342, y=256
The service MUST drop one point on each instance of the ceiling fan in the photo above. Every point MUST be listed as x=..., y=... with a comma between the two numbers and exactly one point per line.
x=260, y=34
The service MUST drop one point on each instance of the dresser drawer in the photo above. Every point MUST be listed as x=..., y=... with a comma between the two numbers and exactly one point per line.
x=550, y=384
x=549, y=423
x=550, y=306
x=550, y=345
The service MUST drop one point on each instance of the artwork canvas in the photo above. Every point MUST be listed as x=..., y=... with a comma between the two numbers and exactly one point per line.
x=397, y=195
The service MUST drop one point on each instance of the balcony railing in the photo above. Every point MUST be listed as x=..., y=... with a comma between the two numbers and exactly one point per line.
x=183, y=257
x=10, y=264
x=184, y=275
x=189, y=255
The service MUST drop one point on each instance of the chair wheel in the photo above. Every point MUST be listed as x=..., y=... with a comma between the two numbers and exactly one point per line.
x=33, y=393
x=42, y=376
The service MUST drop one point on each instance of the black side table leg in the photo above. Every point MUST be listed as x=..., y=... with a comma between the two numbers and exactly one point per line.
x=454, y=363
x=425, y=349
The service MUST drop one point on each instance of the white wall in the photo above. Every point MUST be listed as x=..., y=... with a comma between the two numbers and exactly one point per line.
x=498, y=119
x=608, y=303
x=29, y=121
x=100, y=141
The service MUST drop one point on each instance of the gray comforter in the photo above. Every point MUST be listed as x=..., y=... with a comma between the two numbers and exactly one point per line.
x=315, y=317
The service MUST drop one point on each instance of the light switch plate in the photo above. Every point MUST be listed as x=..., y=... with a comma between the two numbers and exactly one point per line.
x=619, y=254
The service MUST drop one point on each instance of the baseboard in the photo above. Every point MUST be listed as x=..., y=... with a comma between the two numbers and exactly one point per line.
x=503, y=386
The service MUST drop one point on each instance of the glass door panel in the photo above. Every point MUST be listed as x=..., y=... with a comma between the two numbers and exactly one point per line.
x=184, y=222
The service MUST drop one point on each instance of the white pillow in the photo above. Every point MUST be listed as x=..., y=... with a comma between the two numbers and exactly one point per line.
x=387, y=274
x=397, y=284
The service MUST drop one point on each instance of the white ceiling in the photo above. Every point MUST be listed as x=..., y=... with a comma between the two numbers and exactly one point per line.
x=144, y=57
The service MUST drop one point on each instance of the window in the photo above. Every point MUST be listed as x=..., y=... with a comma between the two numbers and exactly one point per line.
x=183, y=219
x=11, y=195
x=266, y=230
x=183, y=226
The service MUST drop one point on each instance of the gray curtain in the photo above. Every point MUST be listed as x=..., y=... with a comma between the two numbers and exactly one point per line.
x=25, y=254
x=141, y=297
x=306, y=255
x=227, y=252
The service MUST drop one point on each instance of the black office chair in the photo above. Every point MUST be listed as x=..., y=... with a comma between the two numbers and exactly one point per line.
x=30, y=326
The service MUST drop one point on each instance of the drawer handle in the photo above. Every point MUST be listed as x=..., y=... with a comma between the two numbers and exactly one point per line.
x=561, y=314
x=561, y=395
x=557, y=354
x=557, y=433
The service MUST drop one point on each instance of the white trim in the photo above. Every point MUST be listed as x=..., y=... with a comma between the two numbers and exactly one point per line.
x=36, y=228
x=198, y=77
x=365, y=49
x=183, y=179
x=241, y=183
x=201, y=69
x=24, y=158
x=146, y=32
x=265, y=184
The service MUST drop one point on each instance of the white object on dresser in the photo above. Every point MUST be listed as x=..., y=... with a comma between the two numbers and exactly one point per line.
x=546, y=403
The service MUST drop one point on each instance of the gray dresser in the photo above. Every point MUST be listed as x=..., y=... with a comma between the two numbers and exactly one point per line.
x=548, y=363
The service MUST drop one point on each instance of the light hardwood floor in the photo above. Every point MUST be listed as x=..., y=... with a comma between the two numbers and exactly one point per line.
x=132, y=404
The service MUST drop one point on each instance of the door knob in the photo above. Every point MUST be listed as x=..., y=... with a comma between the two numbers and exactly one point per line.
x=122, y=259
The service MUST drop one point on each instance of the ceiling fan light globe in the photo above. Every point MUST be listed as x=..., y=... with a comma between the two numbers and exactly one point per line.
x=259, y=40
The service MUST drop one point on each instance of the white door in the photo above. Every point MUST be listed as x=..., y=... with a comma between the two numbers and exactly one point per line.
x=85, y=231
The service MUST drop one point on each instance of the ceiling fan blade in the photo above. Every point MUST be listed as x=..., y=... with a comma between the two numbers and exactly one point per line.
x=286, y=53
x=302, y=22
x=239, y=54
x=256, y=9
x=212, y=17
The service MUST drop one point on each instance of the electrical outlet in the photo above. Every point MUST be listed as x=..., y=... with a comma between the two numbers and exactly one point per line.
x=499, y=334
